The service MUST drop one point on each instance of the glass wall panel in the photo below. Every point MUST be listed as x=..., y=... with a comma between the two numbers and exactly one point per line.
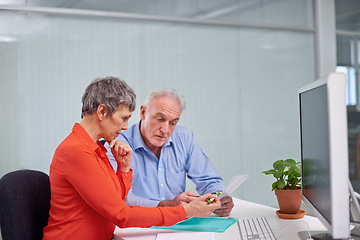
x=273, y=65
x=240, y=85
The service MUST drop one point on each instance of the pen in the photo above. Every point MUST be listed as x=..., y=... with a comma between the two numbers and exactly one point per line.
x=212, y=199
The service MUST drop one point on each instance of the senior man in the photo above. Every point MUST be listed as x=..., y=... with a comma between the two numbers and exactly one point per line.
x=164, y=154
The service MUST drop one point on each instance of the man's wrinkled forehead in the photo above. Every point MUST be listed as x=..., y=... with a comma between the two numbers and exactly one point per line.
x=164, y=104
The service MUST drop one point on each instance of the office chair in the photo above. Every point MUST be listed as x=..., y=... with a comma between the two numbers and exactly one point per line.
x=24, y=204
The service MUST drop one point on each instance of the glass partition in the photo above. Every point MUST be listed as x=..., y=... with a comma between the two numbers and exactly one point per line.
x=240, y=84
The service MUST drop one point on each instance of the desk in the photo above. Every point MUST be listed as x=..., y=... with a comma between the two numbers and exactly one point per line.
x=242, y=209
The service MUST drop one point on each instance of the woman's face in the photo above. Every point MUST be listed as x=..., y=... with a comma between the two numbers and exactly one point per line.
x=112, y=126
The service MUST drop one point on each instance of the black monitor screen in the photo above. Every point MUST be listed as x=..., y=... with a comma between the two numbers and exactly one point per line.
x=315, y=149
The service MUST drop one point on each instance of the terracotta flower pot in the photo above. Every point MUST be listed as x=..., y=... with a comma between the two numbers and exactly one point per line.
x=289, y=200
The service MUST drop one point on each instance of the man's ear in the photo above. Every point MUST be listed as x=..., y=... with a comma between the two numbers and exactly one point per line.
x=102, y=112
x=142, y=112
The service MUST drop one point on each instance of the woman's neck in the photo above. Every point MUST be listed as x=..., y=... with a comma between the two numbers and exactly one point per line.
x=89, y=123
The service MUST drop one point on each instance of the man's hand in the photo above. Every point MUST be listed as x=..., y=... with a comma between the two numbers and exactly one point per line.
x=180, y=200
x=122, y=154
x=226, y=207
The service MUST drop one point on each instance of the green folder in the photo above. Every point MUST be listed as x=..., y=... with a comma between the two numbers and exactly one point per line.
x=202, y=224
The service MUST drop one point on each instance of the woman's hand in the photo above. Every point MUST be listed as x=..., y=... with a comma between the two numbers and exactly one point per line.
x=122, y=154
x=200, y=206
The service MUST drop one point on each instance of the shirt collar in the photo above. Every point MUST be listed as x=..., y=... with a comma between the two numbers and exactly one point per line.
x=139, y=141
x=88, y=141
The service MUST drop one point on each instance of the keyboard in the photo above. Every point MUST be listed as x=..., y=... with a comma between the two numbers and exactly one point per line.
x=255, y=229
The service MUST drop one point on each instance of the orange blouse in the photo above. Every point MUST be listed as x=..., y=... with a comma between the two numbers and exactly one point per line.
x=88, y=198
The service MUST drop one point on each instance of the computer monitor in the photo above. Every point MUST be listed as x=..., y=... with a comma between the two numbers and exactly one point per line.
x=324, y=153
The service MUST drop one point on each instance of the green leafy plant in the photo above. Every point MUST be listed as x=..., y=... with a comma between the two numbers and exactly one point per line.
x=287, y=173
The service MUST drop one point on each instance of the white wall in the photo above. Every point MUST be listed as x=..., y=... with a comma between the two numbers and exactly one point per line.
x=240, y=84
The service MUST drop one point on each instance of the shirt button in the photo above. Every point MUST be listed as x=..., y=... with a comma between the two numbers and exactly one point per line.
x=160, y=169
x=162, y=198
x=162, y=185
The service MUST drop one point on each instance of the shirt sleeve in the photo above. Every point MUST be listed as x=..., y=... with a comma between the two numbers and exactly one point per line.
x=101, y=194
x=133, y=199
x=201, y=171
x=111, y=157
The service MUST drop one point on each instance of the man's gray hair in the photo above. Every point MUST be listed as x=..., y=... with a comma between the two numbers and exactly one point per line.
x=111, y=91
x=166, y=92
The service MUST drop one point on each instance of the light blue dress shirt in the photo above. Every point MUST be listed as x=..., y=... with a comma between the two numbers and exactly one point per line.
x=155, y=180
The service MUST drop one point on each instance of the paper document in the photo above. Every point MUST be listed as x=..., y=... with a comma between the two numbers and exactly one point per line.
x=186, y=235
x=232, y=185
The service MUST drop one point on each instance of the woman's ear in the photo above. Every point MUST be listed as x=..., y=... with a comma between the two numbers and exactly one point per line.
x=102, y=112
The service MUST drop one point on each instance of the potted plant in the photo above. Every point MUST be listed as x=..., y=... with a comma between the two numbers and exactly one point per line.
x=287, y=186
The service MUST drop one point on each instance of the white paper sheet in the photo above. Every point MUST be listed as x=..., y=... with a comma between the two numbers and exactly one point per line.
x=233, y=184
x=186, y=235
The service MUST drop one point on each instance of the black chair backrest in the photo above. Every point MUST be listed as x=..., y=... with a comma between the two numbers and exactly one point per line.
x=24, y=204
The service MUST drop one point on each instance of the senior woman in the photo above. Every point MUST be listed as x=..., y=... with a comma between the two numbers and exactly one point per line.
x=88, y=199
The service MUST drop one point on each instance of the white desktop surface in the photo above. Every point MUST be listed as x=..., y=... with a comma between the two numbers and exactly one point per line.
x=242, y=209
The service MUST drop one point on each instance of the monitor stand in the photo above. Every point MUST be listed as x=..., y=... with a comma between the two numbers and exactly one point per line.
x=355, y=227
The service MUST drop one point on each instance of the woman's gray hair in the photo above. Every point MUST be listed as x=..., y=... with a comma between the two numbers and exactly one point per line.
x=111, y=91
x=166, y=92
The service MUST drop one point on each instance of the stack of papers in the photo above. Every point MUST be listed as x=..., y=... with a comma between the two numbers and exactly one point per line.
x=203, y=228
x=186, y=235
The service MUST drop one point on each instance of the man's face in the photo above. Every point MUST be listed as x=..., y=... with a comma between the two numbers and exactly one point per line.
x=113, y=125
x=159, y=120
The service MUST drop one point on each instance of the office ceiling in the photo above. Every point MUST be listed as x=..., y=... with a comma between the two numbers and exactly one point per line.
x=205, y=9
x=347, y=11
